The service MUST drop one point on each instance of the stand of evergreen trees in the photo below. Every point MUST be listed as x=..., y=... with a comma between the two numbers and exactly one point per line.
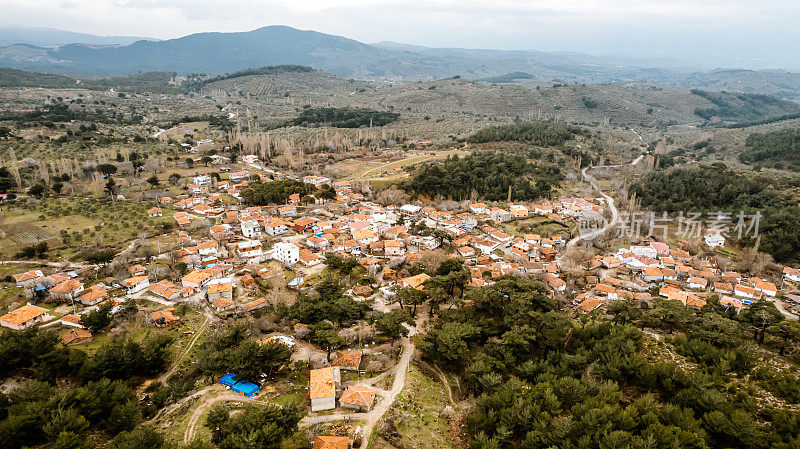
x=543, y=379
x=343, y=117
x=781, y=149
x=488, y=174
x=546, y=134
x=716, y=188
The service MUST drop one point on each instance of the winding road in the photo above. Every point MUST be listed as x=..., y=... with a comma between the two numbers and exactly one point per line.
x=600, y=231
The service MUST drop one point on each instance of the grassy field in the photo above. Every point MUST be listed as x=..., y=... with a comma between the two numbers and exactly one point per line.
x=416, y=415
x=373, y=172
x=74, y=222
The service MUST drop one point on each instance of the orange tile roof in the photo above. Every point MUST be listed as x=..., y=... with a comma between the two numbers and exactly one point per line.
x=414, y=281
x=323, y=383
x=23, y=314
x=347, y=359
x=220, y=288
x=326, y=442
x=358, y=395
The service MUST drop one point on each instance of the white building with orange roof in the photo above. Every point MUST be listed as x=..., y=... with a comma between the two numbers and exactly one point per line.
x=25, y=317
x=135, y=284
x=324, y=385
x=478, y=208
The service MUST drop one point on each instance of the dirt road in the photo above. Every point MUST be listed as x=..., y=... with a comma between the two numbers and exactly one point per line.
x=388, y=397
x=597, y=232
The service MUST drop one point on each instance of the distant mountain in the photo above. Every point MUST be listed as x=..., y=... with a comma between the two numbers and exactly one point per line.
x=220, y=53
x=47, y=37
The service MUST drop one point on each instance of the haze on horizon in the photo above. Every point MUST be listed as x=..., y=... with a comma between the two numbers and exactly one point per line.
x=701, y=33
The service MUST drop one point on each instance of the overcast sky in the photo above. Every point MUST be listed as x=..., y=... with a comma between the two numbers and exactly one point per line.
x=731, y=33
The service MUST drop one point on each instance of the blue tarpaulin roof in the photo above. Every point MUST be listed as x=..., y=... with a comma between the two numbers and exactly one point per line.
x=246, y=388
x=228, y=380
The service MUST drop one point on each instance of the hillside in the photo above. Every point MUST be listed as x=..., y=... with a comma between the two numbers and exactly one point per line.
x=468, y=101
x=149, y=82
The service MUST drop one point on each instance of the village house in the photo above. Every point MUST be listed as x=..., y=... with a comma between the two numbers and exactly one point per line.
x=239, y=176
x=249, y=249
x=697, y=283
x=309, y=259
x=287, y=211
x=365, y=236
x=222, y=304
x=325, y=382
x=394, y=248
x=518, y=211
x=414, y=281
x=275, y=226
x=221, y=288
x=357, y=397
x=25, y=317
x=251, y=229
x=255, y=304
x=714, y=240
x=791, y=274
x=767, y=288
x=347, y=359
x=744, y=291
x=331, y=442
x=154, y=212
x=76, y=336
x=28, y=278
x=478, y=208
x=164, y=317
x=286, y=253
x=68, y=289
x=135, y=284
x=92, y=296
x=165, y=289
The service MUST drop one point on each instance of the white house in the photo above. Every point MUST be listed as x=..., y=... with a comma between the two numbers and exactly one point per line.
x=201, y=180
x=251, y=229
x=288, y=253
x=647, y=251
x=136, y=284
x=714, y=240
x=393, y=248
x=249, y=249
x=478, y=208
x=275, y=226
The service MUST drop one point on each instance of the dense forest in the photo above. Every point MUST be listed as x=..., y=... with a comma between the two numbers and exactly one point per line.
x=543, y=379
x=780, y=149
x=343, y=117
x=94, y=392
x=729, y=107
x=488, y=174
x=548, y=134
x=713, y=188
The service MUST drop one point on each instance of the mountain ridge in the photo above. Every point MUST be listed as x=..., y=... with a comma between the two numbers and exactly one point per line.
x=218, y=53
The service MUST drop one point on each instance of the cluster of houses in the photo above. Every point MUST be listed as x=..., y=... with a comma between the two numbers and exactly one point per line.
x=644, y=271
x=325, y=387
